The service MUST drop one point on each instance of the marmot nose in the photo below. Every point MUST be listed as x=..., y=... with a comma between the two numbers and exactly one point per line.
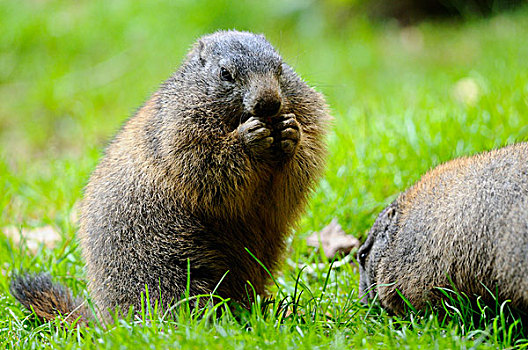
x=268, y=107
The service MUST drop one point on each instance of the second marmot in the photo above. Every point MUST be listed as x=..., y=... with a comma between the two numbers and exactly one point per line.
x=220, y=161
x=463, y=225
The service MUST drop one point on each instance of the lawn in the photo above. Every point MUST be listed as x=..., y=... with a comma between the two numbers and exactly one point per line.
x=404, y=100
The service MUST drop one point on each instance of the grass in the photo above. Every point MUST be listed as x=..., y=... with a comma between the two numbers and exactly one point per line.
x=404, y=100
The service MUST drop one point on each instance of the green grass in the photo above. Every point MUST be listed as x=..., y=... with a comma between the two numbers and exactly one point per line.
x=71, y=73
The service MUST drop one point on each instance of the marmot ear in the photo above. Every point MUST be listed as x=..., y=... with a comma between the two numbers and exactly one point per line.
x=391, y=212
x=200, y=46
x=197, y=53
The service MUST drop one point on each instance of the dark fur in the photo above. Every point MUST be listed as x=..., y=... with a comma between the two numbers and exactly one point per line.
x=48, y=299
x=205, y=169
x=463, y=225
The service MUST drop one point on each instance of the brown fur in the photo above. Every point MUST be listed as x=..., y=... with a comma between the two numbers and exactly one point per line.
x=213, y=164
x=463, y=225
x=48, y=299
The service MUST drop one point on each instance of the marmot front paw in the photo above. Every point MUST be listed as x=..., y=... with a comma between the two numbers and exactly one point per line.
x=288, y=133
x=256, y=136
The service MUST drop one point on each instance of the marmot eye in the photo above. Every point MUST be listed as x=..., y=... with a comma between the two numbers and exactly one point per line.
x=225, y=75
x=362, y=258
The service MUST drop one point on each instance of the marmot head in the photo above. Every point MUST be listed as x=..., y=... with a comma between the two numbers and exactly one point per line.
x=374, y=248
x=240, y=73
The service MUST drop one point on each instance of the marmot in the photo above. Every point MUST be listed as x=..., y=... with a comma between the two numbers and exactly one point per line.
x=214, y=168
x=463, y=225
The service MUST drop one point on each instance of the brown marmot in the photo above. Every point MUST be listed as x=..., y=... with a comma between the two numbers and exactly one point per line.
x=463, y=225
x=215, y=167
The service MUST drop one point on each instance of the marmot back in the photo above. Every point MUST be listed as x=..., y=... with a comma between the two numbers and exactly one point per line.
x=220, y=161
x=465, y=223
